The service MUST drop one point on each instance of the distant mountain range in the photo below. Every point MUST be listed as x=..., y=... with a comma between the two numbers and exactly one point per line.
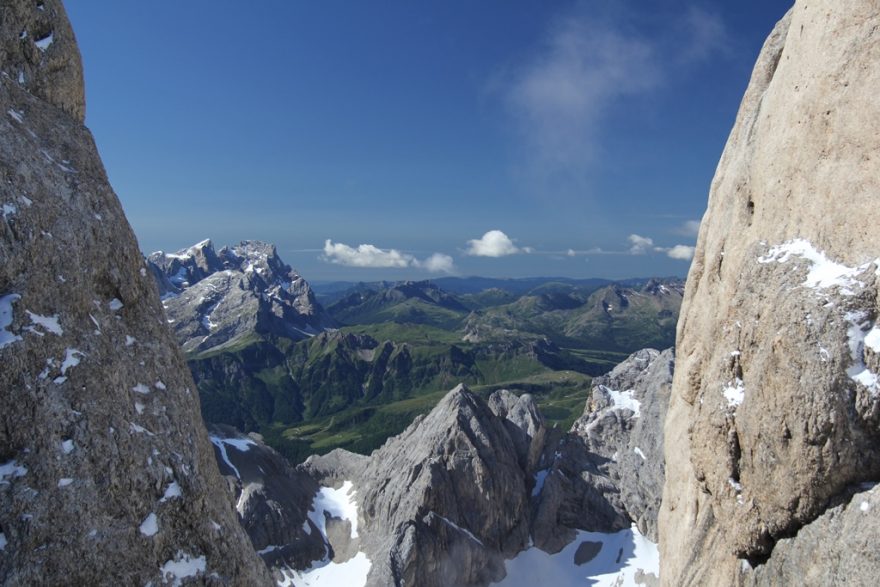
x=349, y=364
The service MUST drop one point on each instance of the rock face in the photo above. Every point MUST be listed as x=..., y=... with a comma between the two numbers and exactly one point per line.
x=220, y=298
x=106, y=472
x=773, y=421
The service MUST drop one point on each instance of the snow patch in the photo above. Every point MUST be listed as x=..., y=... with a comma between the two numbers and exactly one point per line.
x=337, y=503
x=64, y=482
x=6, y=337
x=150, y=525
x=623, y=400
x=172, y=491
x=160, y=386
x=734, y=392
x=141, y=388
x=17, y=116
x=135, y=428
x=540, y=477
x=71, y=359
x=10, y=470
x=67, y=446
x=823, y=272
x=622, y=556
x=351, y=573
x=639, y=452
x=115, y=304
x=45, y=42
x=221, y=443
x=48, y=323
x=452, y=524
x=858, y=333
x=182, y=566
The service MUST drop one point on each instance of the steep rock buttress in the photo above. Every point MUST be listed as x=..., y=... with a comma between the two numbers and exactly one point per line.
x=774, y=420
x=106, y=472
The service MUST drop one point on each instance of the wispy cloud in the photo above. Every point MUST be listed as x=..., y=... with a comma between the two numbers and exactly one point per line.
x=494, y=244
x=559, y=96
x=689, y=228
x=367, y=255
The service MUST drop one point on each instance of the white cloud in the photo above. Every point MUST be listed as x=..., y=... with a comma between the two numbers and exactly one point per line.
x=689, y=228
x=493, y=244
x=681, y=252
x=640, y=244
x=371, y=256
x=571, y=252
x=438, y=263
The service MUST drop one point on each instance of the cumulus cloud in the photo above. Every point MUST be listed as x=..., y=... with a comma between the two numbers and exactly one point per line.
x=493, y=244
x=367, y=255
x=438, y=263
x=640, y=244
x=681, y=252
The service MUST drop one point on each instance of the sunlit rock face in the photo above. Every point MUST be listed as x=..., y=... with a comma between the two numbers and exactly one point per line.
x=773, y=422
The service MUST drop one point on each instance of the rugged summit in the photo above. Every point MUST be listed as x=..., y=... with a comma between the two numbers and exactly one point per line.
x=465, y=488
x=773, y=433
x=220, y=298
x=106, y=472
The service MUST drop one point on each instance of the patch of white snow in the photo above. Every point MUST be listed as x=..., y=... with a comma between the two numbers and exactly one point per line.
x=150, y=525
x=182, y=566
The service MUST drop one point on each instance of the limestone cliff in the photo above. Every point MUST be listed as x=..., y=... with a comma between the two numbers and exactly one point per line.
x=773, y=420
x=106, y=472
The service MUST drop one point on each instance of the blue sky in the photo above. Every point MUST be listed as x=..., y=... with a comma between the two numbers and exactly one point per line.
x=402, y=140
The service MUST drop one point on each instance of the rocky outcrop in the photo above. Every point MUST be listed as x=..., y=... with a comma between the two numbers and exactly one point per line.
x=446, y=501
x=272, y=499
x=219, y=298
x=106, y=472
x=774, y=419
x=608, y=471
x=465, y=488
x=38, y=52
x=623, y=423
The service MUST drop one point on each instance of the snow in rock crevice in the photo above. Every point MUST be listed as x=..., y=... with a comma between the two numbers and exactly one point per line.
x=6, y=337
x=734, y=392
x=183, y=566
x=823, y=274
x=624, y=400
